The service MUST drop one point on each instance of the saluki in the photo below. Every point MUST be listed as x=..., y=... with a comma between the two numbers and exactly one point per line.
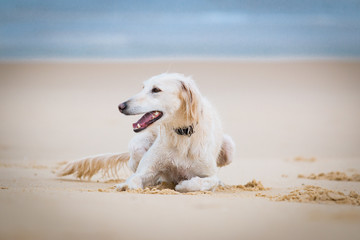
x=179, y=139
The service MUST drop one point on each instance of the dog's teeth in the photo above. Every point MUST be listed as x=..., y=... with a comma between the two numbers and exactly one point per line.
x=138, y=125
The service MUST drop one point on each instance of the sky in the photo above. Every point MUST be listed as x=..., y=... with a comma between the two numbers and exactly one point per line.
x=107, y=29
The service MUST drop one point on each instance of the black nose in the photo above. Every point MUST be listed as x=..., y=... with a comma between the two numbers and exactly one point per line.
x=122, y=106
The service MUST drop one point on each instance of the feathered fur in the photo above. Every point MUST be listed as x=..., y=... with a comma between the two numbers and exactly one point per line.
x=107, y=164
x=158, y=153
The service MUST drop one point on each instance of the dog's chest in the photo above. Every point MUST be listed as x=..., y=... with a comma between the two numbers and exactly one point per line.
x=177, y=173
x=181, y=161
x=178, y=168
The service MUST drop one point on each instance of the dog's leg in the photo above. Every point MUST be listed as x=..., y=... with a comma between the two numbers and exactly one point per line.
x=109, y=164
x=138, y=146
x=143, y=177
x=140, y=179
x=198, y=184
x=226, y=154
x=135, y=181
x=146, y=173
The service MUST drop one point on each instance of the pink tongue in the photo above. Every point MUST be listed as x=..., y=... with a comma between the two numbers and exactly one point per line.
x=143, y=120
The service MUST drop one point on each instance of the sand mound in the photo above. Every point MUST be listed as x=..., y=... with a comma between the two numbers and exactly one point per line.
x=169, y=189
x=334, y=176
x=315, y=194
x=304, y=159
x=115, y=181
x=250, y=186
x=162, y=189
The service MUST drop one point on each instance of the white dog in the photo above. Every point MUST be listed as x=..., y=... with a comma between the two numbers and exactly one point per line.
x=179, y=139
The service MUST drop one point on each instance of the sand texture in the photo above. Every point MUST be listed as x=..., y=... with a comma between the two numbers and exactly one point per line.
x=315, y=194
x=55, y=112
x=304, y=159
x=169, y=189
x=333, y=176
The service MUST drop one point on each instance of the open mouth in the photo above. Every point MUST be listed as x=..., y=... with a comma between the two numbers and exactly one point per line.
x=146, y=120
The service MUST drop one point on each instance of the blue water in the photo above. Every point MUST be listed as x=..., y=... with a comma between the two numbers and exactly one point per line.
x=100, y=29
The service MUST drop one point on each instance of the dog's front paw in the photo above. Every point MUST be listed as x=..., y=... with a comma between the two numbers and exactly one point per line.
x=122, y=187
x=132, y=184
x=198, y=184
x=182, y=187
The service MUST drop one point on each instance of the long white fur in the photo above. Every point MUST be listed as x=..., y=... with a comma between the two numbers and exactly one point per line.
x=158, y=153
x=109, y=164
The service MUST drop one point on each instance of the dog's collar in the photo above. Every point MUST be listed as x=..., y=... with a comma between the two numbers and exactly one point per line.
x=188, y=131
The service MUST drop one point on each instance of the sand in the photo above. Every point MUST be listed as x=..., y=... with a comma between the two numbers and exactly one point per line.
x=169, y=189
x=304, y=159
x=53, y=112
x=315, y=194
x=333, y=176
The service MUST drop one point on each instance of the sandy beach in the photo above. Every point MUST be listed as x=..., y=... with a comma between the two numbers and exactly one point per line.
x=295, y=124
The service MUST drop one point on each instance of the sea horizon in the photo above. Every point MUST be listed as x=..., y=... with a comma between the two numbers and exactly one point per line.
x=89, y=29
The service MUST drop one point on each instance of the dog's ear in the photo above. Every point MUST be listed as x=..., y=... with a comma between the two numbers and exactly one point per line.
x=190, y=98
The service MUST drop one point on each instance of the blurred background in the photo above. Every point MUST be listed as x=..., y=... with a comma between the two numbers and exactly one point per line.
x=284, y=74
x=108, y=29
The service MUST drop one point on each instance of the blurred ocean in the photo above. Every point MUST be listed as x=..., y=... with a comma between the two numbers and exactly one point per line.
x=101, y=29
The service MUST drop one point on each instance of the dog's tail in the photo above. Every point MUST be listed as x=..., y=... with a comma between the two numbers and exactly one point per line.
x=227, y=151
x=108, y=164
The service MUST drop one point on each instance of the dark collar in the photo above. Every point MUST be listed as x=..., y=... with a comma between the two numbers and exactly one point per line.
x=188, y=131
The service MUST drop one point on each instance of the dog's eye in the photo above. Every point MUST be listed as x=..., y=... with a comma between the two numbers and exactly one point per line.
x=156, y=90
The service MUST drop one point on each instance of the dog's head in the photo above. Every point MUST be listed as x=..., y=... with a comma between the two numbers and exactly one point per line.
x=169, y=97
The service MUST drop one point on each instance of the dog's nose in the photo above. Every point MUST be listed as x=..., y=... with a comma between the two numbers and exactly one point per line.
x=122, y=106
